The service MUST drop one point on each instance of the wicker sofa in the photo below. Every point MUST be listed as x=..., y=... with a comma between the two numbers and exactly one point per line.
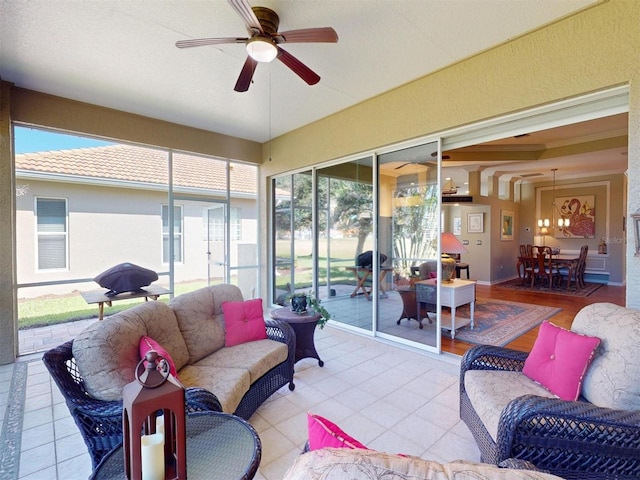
x=92, y=369
x=595, y=437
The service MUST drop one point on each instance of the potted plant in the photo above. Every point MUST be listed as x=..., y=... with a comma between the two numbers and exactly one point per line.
x=300, y=302
x=316, y=305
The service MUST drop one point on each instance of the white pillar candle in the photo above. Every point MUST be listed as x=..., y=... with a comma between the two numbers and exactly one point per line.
x=153, y=456
x=160, y=424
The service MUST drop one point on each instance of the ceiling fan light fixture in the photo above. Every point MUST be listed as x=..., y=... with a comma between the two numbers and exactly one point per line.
x=262, y=49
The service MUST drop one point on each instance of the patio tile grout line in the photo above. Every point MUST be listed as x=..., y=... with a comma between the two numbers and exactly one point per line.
x=12, y=428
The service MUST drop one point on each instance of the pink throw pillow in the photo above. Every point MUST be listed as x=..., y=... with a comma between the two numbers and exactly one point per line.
x=148, y=343
x=244, y=322
x=433, y=274
x=559, y=360
x=322, y=433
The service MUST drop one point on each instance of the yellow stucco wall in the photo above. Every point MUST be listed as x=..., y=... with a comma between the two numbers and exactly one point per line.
x=41, y=109
x=590, y=51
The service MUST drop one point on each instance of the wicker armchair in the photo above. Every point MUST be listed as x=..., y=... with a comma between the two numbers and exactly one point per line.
x=574, y=440
x=100, y=422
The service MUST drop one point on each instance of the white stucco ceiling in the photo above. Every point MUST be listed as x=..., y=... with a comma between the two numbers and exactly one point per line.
x=122, y=54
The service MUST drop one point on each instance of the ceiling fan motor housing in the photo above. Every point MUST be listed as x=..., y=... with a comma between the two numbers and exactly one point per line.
x=268, y=19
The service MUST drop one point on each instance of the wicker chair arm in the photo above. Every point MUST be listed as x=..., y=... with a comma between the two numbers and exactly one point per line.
x=201, y=400
x=489, y=357
x=603, y=438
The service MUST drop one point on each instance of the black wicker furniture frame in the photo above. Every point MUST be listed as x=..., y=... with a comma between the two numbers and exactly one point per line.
x=574, y=440
x=100, y=422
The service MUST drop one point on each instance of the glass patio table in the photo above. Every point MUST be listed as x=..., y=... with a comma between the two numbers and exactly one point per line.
x=220, y=446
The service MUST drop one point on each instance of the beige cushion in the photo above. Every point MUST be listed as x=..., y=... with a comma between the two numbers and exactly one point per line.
x=256, y=357
x=228, y=384
x=200, y=318
x=357, y=464
x=107, y=352
x=491, y=390
x=612, y=379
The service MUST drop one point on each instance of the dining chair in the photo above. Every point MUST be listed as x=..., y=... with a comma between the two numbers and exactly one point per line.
x=548, y=271
x=523, y=250
x=524, y=262
x=519, y=264
x=542, y=268
x=582, y=265
x=531, y=268
x=575, y=272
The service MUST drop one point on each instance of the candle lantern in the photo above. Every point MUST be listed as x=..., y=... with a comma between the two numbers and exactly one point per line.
x=153, y=419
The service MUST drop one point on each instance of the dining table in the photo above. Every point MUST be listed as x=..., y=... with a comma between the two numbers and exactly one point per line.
x=570, y=262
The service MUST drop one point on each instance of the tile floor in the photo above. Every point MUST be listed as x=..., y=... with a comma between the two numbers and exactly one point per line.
x=388, y=397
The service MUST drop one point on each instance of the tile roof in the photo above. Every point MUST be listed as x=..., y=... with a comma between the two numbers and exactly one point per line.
x=129, y=163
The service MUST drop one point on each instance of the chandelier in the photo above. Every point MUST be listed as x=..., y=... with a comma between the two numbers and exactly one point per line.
x=544, y=223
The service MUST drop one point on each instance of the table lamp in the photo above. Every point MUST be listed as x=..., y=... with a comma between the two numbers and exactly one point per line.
x=450, y=244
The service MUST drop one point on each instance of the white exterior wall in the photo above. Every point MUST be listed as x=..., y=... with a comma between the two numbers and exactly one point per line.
x=111, y=225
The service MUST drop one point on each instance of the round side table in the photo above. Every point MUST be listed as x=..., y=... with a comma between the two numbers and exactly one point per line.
x=304, y=326
x=409, y=310
x=219, y=446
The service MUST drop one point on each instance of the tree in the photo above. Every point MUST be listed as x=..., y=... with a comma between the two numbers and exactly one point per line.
x=353, y=210
x=415, y=225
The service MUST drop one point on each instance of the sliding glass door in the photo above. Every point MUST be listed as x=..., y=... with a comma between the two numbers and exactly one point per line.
x=355, y=233
x=408, y=226
x=345, y=231
x=292, y=251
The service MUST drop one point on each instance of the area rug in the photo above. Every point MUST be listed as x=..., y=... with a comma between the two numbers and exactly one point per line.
x=588, y=289
x=498, y=322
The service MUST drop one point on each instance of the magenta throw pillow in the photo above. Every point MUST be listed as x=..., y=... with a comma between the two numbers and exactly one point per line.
x=148, y=343
x=322, y=433
x=244, y=322
x=433, y=274
x=559, y=360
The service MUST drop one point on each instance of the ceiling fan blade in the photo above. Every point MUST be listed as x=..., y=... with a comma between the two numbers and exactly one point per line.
x=299, y=68
x=321, y=34
x=403, y=165
x=246, y=74
x=198, y=42
x=244, y=10
x=444, y=156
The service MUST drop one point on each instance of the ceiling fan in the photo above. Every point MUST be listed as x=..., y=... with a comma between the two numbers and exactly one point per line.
x=263, y=44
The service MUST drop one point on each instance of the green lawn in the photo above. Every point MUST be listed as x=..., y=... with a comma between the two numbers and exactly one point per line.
x=342, y=255
x=49, y=310
x=53, y=309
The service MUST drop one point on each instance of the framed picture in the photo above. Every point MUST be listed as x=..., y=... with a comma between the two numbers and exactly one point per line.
x=581, y=212
x=506, y=225
x=475, y=223
x=457, y=226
